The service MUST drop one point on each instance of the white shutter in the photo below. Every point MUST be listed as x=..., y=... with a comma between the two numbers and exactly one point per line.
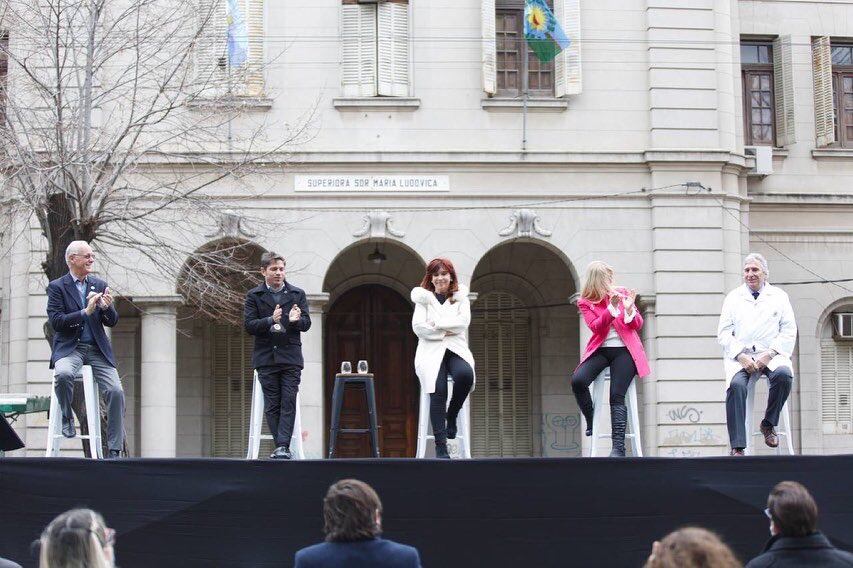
x=358, y=40
x=836, y=386
x=393, y=51
x=254, y=10
x=822, y=82
x=567, y=65
x=501, y=404
x=490, y=56
x=211, y=47
x=783, y=86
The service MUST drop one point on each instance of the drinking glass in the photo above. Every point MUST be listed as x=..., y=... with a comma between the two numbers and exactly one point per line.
x=346, y=367
x=362, y=367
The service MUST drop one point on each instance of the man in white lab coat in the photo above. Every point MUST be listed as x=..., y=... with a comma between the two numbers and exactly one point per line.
x=758, y=332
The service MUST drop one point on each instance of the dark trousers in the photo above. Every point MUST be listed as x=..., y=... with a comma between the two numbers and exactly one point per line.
x=463, y=379
x=280, y=385
x=109, y=385
x=622, y=371
x=780, y=388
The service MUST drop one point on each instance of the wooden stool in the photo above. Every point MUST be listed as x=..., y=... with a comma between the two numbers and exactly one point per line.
x=341, y=382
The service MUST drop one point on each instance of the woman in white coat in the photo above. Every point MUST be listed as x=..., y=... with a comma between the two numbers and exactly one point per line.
x=441, y=319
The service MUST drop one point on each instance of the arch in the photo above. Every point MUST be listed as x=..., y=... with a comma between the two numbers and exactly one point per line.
x=401, y=269
x=539, y=243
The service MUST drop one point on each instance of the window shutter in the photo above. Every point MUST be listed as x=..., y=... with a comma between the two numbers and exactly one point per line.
x=211, y=48
x=232, y=376
x=783, y=77
x=490, y=57
x=358, y=31
x=393, y=52
x=255, y=28
x=822, y=82
x=567, y=65
x=836, y=388
x=500, y=405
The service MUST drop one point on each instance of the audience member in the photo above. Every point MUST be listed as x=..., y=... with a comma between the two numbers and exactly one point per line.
x=795, y=540
x=691, y=547
x=8, y=564
x=352, y=515
x=77, y=539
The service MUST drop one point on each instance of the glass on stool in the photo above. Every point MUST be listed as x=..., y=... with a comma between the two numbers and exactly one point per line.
x=362, y=367
x=346, y=367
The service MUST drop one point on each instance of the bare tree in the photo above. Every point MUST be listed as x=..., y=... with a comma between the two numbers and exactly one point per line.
x=121, y=120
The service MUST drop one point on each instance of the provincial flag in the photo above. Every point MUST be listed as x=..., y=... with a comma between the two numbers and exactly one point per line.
x=542, y=31
x=238, y=39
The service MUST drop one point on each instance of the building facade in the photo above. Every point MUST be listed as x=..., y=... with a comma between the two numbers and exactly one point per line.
x=670, y=139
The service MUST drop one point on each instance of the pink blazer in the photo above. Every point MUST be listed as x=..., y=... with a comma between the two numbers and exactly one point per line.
x=599, y=320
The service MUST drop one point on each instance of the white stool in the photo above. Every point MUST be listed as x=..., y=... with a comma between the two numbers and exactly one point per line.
x=256, y=423
x=93, y=417
x=632, y=431
x=463, y=423
x=782, y=430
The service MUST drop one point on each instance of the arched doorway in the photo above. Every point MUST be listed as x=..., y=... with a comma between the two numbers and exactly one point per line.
x=524, y=337
x=369, y=317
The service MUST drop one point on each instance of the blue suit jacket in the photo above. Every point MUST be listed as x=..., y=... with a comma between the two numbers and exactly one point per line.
x=373, y=553
x=66, y=319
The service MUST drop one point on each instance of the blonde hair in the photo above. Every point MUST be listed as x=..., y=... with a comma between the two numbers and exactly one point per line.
x=75, y=539
x=596, y=286
x=694, y=547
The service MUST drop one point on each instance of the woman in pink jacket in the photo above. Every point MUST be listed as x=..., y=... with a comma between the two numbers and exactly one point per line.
x=611, y=315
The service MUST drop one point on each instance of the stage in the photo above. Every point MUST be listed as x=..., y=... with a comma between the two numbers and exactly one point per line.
x=512, y=512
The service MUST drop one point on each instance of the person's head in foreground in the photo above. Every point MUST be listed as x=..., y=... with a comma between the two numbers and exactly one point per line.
x=351, y=511
x=691, y=547
x=77, y=539
x=792, y=510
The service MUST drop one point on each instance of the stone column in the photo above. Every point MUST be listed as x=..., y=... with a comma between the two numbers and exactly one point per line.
x=311, y=391
x=158, y=428
x=649, y=403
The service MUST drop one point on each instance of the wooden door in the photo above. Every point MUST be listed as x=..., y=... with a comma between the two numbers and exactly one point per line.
x=373, y=322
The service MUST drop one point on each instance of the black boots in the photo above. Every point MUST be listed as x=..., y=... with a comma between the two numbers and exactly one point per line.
x=451, y=427
x=441, y=451
x=588, y=413
x=618, y=421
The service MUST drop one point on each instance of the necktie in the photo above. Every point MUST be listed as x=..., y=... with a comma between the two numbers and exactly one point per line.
x=755, y=295
x=83, y=292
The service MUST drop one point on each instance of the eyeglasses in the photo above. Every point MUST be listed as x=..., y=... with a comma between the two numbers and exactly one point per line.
x=89, y=256
x=768, y=514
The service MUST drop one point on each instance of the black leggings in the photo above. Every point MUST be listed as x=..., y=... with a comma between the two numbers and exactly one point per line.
x=463, y=379
x=622, y=371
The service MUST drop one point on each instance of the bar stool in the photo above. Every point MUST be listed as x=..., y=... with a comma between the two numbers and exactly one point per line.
x=783, y=429
x=463, y=434
x=632, y=432
x=256, y=424
x=341, y=382
x=93, y=417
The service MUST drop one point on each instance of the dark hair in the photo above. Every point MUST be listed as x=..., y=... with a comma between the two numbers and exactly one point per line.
x=793, y=509
x=692, y=547
x=432, y=269
x=269, y=257
x=349, y=511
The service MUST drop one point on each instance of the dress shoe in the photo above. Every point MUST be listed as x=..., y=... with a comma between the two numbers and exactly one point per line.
x=770, y=437
x=281, y=453
x=441, y=452
x=113, y=455
x=68, y=429
x=451, y=427
x=736, y=452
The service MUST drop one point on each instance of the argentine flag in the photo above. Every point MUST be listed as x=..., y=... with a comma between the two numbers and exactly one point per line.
x=238, y=39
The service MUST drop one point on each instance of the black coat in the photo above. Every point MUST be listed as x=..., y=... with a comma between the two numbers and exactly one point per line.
x=272, y=349
x=796, y=552
x=372, y=553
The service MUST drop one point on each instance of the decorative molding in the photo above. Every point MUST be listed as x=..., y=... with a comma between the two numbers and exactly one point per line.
x=377, y=225
x=231, y=103
x=517, y=105
x=316, y=302
x=377, y=103
x=524, y=222
x=840, y=153
x=231, y=225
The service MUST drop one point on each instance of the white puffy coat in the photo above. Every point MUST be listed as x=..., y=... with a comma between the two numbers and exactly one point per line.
x=756, y=325
x=431, y=322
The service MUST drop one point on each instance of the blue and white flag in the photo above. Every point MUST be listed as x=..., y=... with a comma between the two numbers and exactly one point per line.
x=238, y=39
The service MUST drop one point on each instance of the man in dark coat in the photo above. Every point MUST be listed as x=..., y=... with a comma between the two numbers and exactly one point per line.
x=352, y=514
x=79, y=305
x=276, y=313
x=796, y=541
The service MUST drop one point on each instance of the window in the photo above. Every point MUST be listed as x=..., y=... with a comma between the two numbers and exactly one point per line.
x=375, y=43
x=509, y=67
x=758, y=97
x=213, y=72
x=842, y=94
x=518, y=68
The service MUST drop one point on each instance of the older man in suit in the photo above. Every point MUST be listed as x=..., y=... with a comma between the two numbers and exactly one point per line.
x=276, y=313
x=79, y=305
